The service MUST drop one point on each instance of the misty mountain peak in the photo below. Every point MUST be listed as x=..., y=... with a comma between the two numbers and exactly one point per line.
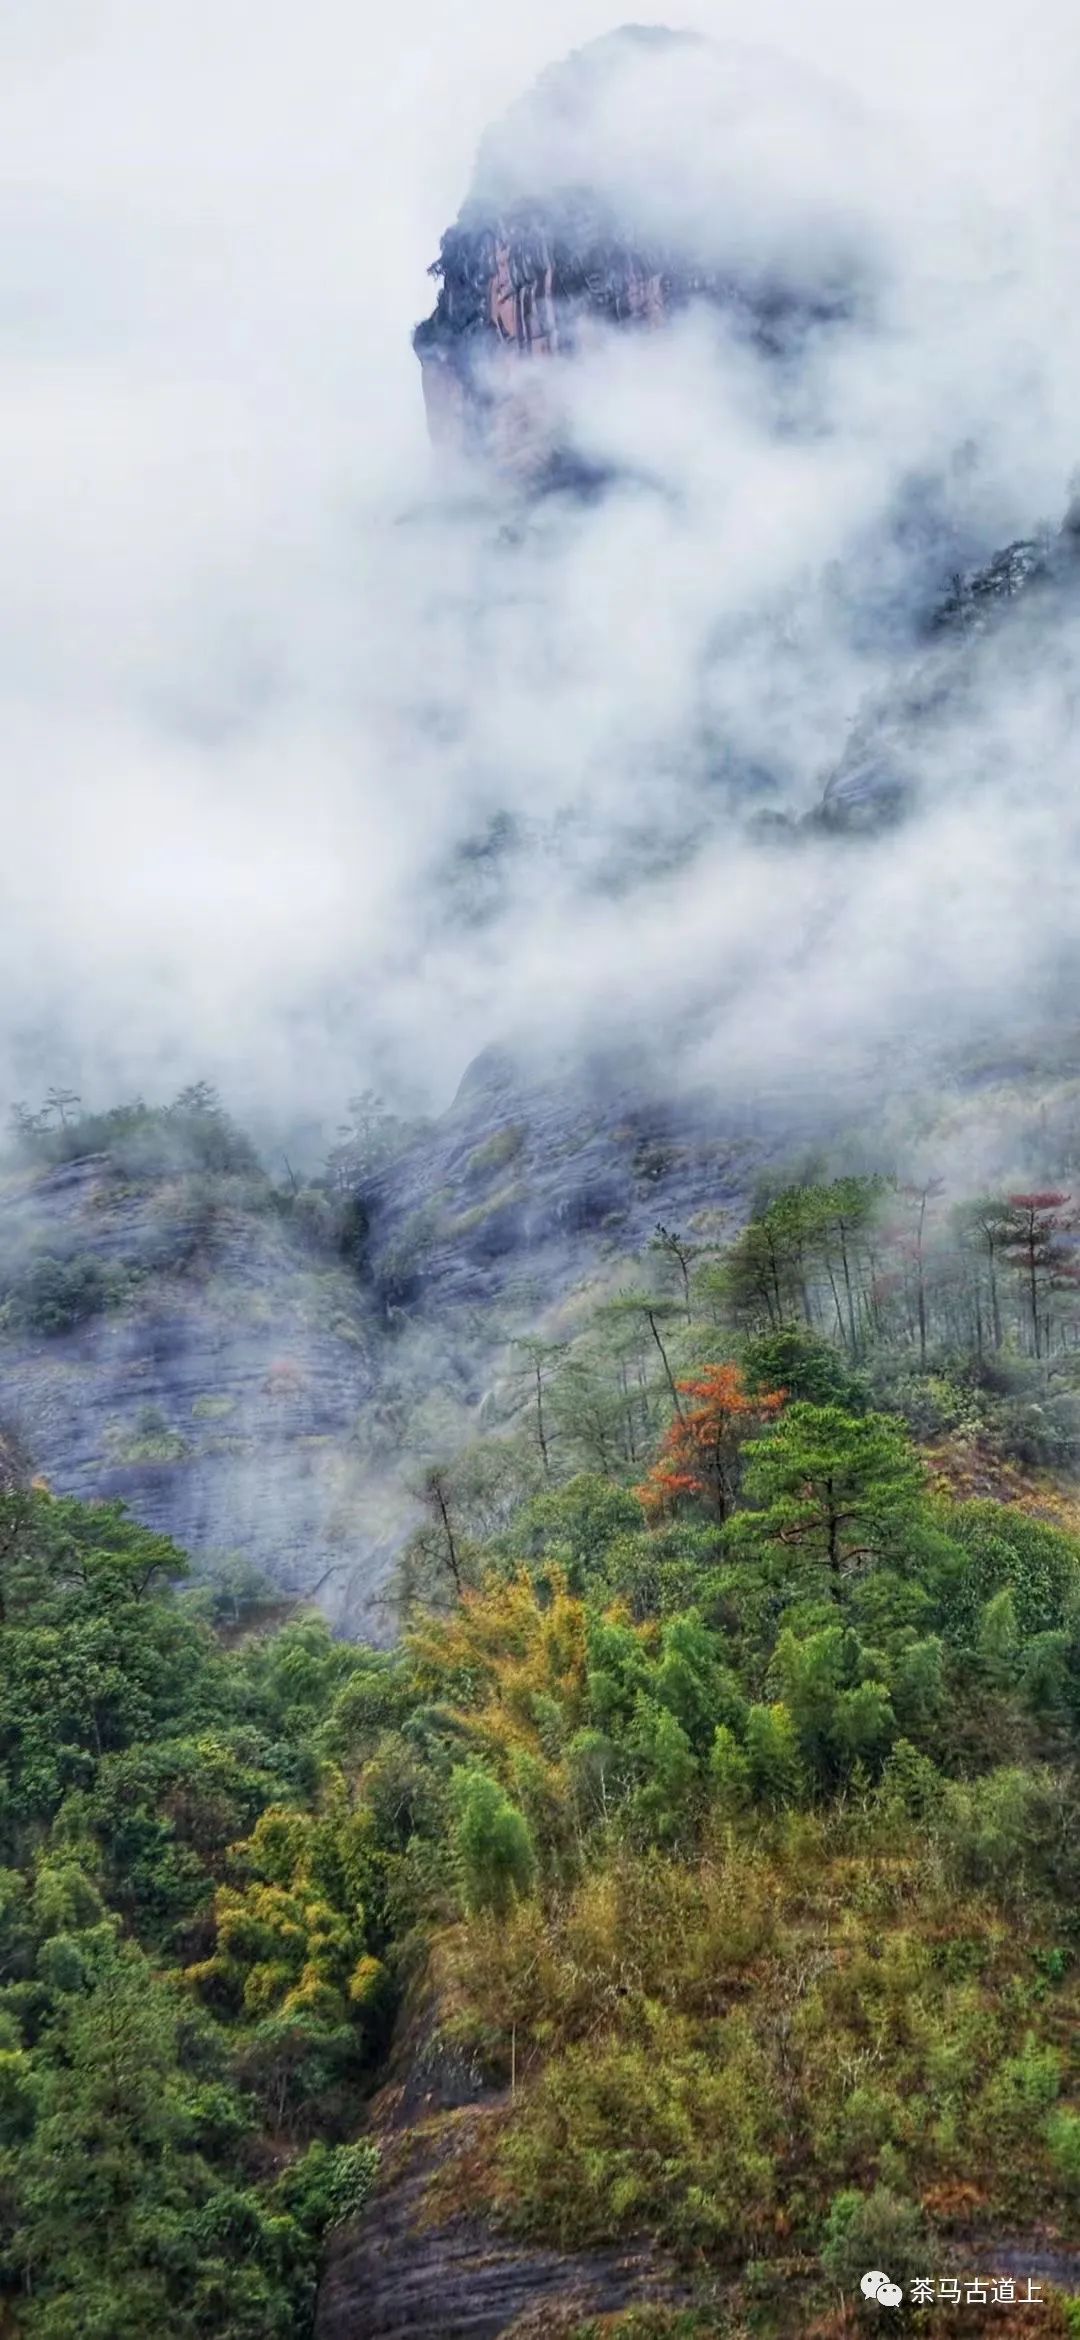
x=649, y=171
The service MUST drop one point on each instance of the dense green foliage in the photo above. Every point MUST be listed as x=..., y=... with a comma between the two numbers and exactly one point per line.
x=791, y=1963
x=739, y=1826
x=50, y=1295
x=193, y=1133
x=189, y=1155
x=163, y=2167
x=794, y=1957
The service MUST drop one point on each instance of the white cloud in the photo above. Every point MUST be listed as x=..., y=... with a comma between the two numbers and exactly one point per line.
x=258, y=682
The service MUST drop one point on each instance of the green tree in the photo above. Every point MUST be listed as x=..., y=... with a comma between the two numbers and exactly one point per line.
x=120, y=2223
x=808, y=1367
x=668, y=1771
x=729, y=1772
x=874, y=2230
x=828, y=1488
x=772, y=1755
x=492, y=1845
x=840, y=1713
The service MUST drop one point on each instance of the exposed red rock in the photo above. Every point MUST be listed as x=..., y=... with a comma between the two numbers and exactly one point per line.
x=541, y=265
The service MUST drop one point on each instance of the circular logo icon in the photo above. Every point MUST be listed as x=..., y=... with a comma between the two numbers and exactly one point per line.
x=877, y=2285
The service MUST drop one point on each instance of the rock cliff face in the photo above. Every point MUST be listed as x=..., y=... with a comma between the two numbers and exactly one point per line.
x=255, y=1396
x=424, y=2262
x=415, y=2267
x=537, y=1174
x=986, y=617
x=407, y=2274
x=246, y=1392
x=219, y=1391
x=561, y=241
x=625, y=190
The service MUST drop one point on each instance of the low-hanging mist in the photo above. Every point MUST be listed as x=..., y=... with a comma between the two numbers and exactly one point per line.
x=331, y=761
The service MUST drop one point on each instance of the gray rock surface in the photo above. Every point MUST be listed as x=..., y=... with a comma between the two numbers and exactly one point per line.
x=986, y=616
x=219, y=1397
x=402, y=2275
x=417, y=2267
x=249, y=1393
x=533, y=1177
x=562, y=237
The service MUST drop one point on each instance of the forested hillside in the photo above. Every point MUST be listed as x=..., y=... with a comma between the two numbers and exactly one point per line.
x=540, y=1179
x=690, y=1892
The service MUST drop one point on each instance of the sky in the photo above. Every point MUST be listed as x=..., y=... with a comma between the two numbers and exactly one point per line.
x=266, y=676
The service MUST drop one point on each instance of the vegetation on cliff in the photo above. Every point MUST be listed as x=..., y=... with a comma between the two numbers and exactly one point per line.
x=722, y=1788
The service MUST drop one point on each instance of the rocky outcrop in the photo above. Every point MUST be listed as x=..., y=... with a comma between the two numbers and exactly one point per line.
x=252, y=1395
x=610, y=200
x=978, y=623
x=425, y=2262
x=560, y=241
x=405, y=2272
x=217, y=1392
x=541, y=1172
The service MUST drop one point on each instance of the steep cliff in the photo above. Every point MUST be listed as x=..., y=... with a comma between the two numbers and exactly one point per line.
x=998, y=617
x=574, y=227
x=195, y=1342
x=176, y=1339
x=183, y=1338
x=419, y=2266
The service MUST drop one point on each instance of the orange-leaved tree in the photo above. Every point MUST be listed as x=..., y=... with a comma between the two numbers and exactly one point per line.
x=699, y=1459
